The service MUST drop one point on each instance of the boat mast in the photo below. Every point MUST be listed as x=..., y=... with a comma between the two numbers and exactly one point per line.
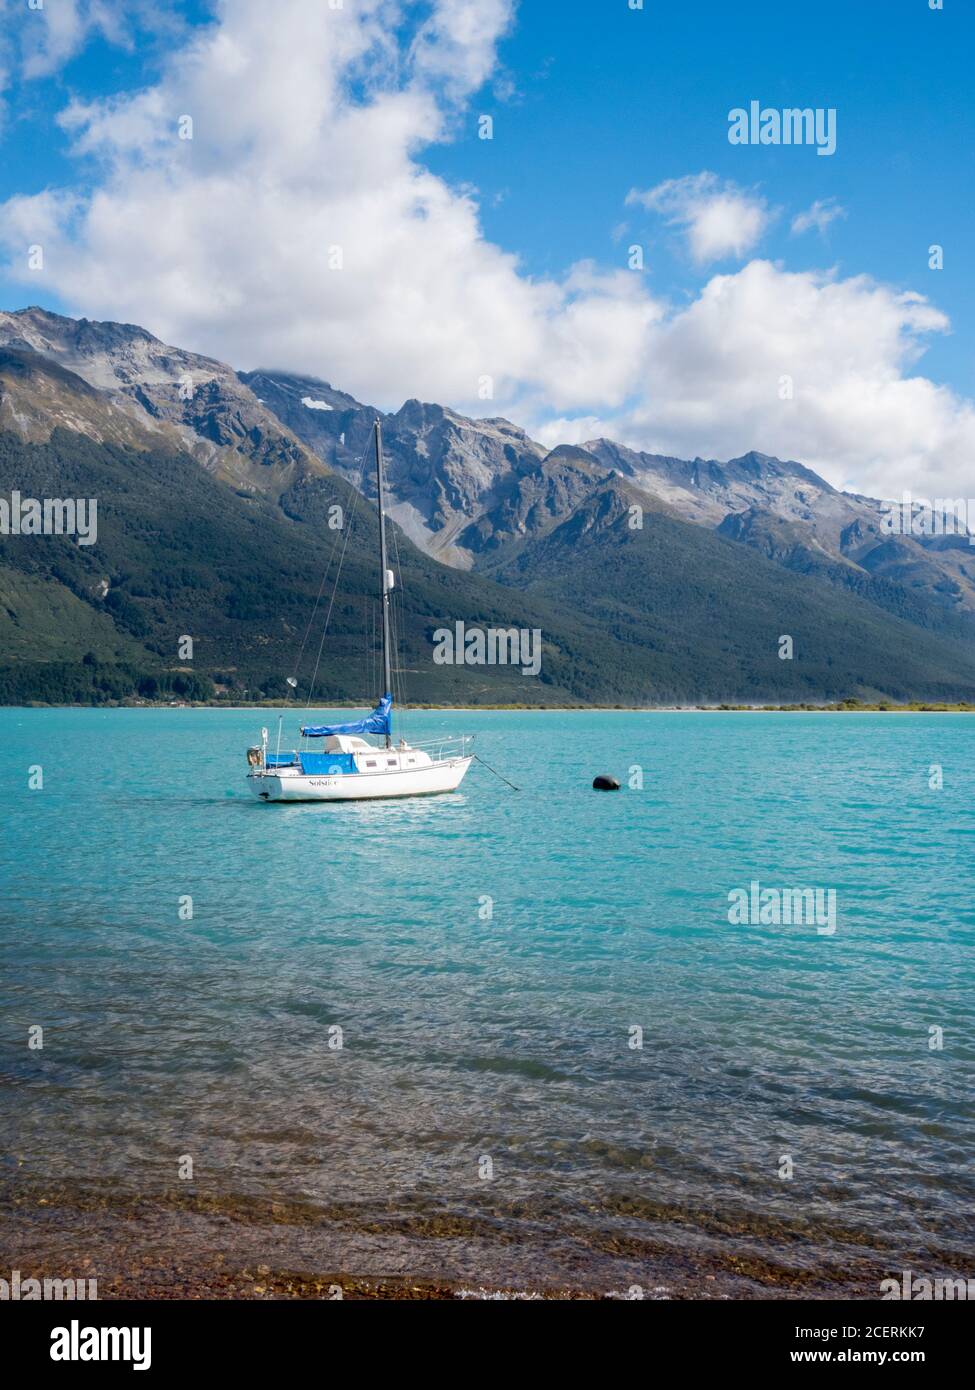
x=384, y=573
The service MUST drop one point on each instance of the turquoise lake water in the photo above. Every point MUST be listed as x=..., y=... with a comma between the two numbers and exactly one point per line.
x=486, y=956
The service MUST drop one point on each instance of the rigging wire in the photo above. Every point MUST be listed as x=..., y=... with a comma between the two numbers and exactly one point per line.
x=331, y=602
x=397, y=673
x=372, y=656
x=348, y=531
x=397, y=622
x=368, y=629
x=321, y=587
x=400, y=594
x=318, y=599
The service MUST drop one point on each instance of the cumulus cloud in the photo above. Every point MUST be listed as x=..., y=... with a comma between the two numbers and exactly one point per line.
x=458, y=42
x=820, y=215
x=229, y=241
x=54, y=33
x=38, y=41
x=45, y=37
x=309, y=126
x=720, y=218
x=805, y=366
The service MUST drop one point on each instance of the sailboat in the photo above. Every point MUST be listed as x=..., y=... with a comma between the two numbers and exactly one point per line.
x=345, y=767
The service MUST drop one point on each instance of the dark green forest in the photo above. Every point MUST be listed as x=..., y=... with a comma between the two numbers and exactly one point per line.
x=670, y=614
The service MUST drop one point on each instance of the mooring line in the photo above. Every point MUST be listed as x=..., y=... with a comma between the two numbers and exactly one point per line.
x=497, y=774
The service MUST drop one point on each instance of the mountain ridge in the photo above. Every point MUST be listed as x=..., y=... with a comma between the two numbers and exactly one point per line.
x=593, y=546
x=454, y=499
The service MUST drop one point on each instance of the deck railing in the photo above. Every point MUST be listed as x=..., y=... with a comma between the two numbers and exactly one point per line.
x=442, y=749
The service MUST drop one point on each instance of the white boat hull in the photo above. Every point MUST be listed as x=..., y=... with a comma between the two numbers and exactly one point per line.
x=288, y=785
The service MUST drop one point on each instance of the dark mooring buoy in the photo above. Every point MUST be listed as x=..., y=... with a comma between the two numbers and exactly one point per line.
x=605, y=784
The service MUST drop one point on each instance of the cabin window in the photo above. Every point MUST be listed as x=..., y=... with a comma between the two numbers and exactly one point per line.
x=390, y=762
x=371, y=763
x=411, y=760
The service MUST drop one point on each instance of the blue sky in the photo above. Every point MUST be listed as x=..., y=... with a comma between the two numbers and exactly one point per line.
x=610, y=98
x=589, y=101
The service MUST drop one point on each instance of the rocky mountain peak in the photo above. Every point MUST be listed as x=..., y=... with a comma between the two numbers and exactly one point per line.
x=201, y=402
x=470, y=492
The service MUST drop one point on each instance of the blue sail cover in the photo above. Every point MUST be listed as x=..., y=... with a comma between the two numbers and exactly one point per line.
x=376, y=723
x=327, y=764
x=280, y=759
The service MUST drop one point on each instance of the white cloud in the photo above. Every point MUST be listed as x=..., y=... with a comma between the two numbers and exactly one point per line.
x=50, y=36
x=820, y=215
x=458, y=42
x=36, y=42
x=563, y=430
x=714, y=373
x=309, y=127
x=721, y=219
x=223, y=243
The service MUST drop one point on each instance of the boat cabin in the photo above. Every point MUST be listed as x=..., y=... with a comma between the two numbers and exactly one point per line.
x=345, y=754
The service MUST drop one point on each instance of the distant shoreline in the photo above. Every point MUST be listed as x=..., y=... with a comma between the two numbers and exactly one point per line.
x=844, y=707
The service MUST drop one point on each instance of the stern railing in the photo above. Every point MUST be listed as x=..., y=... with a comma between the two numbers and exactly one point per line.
x=448, y=748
